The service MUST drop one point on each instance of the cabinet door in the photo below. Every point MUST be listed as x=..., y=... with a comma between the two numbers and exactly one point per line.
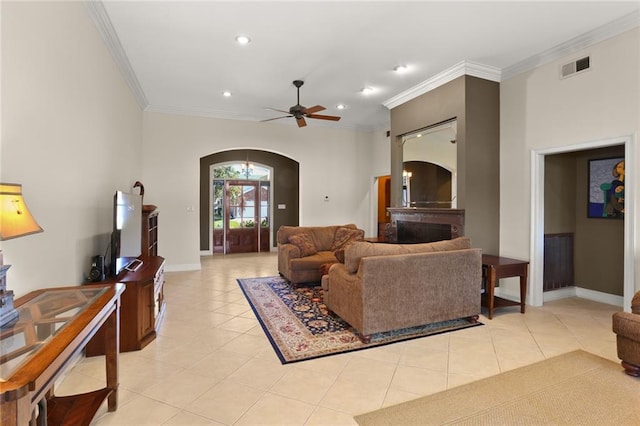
x=146, y=307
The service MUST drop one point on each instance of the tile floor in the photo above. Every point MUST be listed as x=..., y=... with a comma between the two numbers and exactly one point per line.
x=212, y=364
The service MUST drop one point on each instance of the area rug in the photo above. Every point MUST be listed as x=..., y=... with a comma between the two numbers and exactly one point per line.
x=577, y=388
x=299, y=327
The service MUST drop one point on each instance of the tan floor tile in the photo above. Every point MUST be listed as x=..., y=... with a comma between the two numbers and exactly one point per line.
x=327, y=417
x=180, y=388
x=260, y=373
x=239, y=324
x=477, y=363
x=140, y=411
x=274, y=409
x=396, y=396
x=353, y=398
x=368, y=372
x=419, y=380
x=184, y=418
x=219, y=364
x=303, y=385
x=424, y=358
x=226, y=402
x=212, y=357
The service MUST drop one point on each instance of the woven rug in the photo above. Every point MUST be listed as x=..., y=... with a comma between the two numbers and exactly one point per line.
x=299, y=327
x=577, y=388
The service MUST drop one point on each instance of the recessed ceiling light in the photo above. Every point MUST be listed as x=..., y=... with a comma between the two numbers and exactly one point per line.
x=400, y=69
x=226, y=94
x=243, y=39
x=367, y=90
x=341, y=106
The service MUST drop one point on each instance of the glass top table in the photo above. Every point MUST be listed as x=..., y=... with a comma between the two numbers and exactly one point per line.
x=39, y=320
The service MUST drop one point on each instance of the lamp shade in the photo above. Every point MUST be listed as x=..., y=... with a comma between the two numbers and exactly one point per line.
x=15, y=218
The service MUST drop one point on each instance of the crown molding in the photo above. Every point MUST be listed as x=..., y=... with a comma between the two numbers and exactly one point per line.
x=100, y=18
x=604, y=32
x=473, y=69
x=597, y=35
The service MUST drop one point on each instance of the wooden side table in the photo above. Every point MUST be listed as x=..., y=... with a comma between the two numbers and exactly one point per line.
x=496, y=267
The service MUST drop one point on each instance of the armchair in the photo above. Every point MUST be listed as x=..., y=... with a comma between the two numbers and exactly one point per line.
x=626, y=325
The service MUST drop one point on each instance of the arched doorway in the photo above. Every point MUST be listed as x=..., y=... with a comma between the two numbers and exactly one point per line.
x=284, y=190
x=241, y=206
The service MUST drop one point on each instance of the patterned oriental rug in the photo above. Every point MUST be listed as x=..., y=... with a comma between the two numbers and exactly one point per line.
x=299, y=327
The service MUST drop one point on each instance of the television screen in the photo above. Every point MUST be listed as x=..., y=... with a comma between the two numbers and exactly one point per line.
x=126, y=241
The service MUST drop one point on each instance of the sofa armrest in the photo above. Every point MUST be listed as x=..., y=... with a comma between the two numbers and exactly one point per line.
x=635, y=303
x=627, y=324
x=286, y=252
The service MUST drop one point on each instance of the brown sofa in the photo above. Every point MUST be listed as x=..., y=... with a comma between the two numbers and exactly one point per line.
x=626, y=325
x=383, y=287
x=303, y=250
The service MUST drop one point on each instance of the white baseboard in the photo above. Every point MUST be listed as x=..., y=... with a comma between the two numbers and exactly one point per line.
x=584, y=293
x=183, y=267
x=564, y=293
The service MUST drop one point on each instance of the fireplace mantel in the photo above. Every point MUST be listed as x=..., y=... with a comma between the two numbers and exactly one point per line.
x=451, y=220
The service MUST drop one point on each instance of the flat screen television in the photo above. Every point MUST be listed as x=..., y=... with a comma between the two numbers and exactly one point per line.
x=126, y=238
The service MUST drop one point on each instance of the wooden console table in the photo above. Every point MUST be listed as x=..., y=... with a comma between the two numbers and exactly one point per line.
x=53, y=327
x=496, y=267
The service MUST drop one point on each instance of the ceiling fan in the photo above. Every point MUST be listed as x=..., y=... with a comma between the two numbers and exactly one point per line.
x=300, y=113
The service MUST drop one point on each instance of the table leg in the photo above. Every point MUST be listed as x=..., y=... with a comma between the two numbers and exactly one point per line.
x=112, y=349
x=491, y=286
x=523, y=291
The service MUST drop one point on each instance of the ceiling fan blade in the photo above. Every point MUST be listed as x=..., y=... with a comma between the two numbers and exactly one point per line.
x=278, y=110
x=324, y=117
x=277, y=118
x=301, y=122
x=314, y=109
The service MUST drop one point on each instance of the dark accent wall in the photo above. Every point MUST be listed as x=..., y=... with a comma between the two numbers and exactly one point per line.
x=599, y=243
x=284, y=184
x=475, y=103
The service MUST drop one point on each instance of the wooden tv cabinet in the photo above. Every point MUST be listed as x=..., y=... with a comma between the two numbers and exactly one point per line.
x=142, y=307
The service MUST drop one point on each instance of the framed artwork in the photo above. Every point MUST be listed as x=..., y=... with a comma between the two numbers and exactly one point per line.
x=606, y=188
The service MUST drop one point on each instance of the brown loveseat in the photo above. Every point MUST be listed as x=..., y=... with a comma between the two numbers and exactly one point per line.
x=303, y=250
x=626, y=325
x=383, y=287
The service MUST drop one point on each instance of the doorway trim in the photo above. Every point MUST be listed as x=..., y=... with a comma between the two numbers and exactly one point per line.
x=536, y=293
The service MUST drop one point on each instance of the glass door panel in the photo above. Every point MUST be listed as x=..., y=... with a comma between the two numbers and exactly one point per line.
x=265, y=227
x=241, y=216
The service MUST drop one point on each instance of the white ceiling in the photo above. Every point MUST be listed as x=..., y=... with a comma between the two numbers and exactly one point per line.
x=179, y=56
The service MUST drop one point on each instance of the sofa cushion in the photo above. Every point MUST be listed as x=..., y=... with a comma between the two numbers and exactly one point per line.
x=322, y=236
x=358, y=250
x=345, y=236
x=315, y=261
x=304, y=242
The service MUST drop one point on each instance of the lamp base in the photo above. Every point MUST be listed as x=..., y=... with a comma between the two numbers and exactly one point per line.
x=8, y=314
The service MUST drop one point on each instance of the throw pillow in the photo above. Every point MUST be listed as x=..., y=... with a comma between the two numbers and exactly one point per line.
x=339, y=254
x=345, y=236
x=304, y=243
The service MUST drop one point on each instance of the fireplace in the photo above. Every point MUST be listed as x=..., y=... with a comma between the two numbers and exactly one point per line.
x=424, y=225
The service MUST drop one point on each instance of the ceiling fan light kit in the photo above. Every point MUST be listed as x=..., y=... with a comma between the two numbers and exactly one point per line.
x=300, y=112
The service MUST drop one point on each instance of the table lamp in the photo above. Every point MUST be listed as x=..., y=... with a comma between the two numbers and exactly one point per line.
x=15, y=221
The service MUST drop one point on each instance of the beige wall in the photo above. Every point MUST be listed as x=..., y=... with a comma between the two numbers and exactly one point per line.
x=71, y=134
x=541, y=112
x=340, y=164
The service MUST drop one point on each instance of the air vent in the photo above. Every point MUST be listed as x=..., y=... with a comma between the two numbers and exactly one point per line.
x=575, y=67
